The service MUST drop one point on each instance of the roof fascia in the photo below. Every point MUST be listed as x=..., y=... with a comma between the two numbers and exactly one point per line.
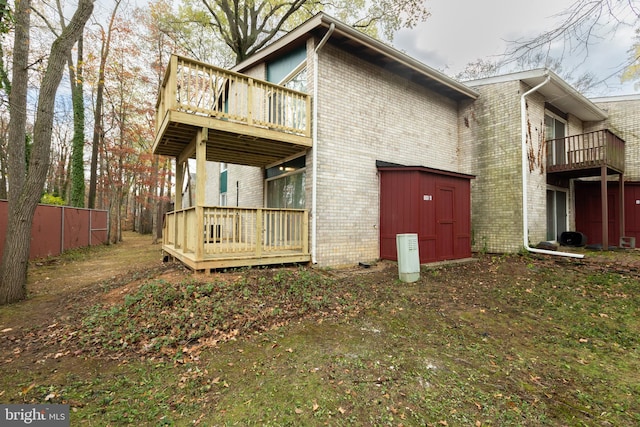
x=324, y=20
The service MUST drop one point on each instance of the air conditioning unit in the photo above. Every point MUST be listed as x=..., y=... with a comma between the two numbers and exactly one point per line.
x=408, y=257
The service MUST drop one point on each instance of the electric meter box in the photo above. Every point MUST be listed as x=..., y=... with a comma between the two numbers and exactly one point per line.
x=408, y=257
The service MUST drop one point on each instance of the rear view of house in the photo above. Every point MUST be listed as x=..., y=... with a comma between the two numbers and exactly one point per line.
x=303, y=123
x=327, y=143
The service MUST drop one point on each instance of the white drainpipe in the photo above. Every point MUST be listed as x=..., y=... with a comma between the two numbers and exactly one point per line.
x=525, y=171
x=314, y=137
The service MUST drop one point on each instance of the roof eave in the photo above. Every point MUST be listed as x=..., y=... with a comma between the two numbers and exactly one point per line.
x=586, y=110
x=325, y=21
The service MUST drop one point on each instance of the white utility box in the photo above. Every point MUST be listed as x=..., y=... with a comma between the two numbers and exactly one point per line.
x=408, y=257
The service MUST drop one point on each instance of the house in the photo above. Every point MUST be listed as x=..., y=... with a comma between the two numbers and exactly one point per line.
x=308, y=129
x=327, y=143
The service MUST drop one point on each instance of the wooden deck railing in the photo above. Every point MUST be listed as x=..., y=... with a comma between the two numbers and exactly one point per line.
x=236, y=231
x=198, y=88
x=584, y=151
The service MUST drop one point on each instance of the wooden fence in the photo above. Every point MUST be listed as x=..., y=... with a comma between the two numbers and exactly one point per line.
x=56, y=229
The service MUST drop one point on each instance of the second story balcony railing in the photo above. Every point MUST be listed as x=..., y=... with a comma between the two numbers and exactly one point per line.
x=201, y=89
x=586, y=151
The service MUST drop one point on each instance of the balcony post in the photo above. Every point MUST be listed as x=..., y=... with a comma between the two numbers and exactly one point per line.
x=178, y=204
x=201, y=181
x=250, y=102
x=605, y=210
x=621, y=206
x=171, y=98
x=259, y=232
x=305, y=232
x=308, y=123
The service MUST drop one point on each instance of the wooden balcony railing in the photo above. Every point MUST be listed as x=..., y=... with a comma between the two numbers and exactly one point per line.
x=207, y=232
x=585, y=151
x=202, y=89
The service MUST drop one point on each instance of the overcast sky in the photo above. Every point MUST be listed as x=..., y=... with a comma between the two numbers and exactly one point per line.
x=461, y=31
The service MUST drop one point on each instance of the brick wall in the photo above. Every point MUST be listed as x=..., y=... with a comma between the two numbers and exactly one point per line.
x=245, y=186
x=366, y=114
x=490, y=148
x=536, y=158
x=490, y=141
x=623, y=120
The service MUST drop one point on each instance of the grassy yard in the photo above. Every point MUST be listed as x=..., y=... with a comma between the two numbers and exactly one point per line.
x=505, y=340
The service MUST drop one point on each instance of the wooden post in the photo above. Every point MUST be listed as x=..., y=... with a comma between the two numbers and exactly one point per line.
x=308, y=123
x=250, y=102
x=172, y=83
x=201, y=181
x=305, y=232
x=621, y=206
x=178, y=203
x=185, y=227
x=605, y=208
x=259, y=230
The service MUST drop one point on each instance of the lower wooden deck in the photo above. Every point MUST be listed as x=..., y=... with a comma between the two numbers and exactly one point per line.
x=218, y=261
x=210, y=238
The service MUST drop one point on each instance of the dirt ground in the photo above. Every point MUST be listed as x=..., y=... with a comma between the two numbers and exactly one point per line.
x=57, y=284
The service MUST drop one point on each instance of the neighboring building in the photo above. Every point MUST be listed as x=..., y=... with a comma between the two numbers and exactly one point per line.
x=567, y=140
x=328, y=143
x=624, y=120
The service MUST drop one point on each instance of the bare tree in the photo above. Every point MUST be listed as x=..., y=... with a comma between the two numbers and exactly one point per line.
x=580, y=26
x=98, y=132
x=25, y=186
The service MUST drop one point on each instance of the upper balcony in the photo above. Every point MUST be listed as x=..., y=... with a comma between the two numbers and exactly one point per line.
x=585, y=154
x=248, y=121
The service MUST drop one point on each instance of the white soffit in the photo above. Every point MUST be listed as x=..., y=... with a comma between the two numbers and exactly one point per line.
x=557, y=92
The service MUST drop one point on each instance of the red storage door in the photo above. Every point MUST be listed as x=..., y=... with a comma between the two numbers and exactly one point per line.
x=434, y=204
x=589, y=211
x=396, y=207
x=632, y=210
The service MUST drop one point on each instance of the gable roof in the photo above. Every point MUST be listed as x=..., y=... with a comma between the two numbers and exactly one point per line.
x=367, y=48
x=557, y=92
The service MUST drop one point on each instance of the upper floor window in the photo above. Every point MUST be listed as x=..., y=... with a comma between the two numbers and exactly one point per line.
x=298, y=81
x=555, y=129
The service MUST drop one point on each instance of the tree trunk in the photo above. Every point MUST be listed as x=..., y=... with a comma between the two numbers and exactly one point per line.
x=77, y=151
x=97, y=138
x=3, y=158
x=97, y=118
x=13, y=270
x=154, y=200
x=25, y=188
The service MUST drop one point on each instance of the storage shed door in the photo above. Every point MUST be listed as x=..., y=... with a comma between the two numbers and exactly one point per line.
x=435, y=206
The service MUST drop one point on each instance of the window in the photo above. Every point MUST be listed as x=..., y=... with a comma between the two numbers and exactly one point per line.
x=223, y=184
x=556, y=213
x=286, y=185
x=298, y=81
x=555, y=132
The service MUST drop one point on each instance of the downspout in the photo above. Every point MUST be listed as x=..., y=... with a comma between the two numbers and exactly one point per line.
x=525, y=171
x=314, y=137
